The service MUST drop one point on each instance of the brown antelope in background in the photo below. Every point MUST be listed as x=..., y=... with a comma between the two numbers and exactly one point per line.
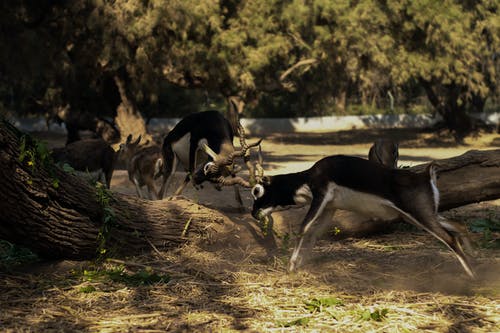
x=88, y=155
x=143, y=165
x=358, y=185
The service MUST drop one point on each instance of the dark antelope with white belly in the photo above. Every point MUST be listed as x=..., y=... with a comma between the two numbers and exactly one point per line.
x=205, y=137
x=362, y=186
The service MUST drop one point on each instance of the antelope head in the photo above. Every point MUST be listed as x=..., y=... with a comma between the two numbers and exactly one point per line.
x=127, y=149
x=222, y=164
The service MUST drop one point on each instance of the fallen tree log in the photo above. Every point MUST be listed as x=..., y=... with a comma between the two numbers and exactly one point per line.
x=59, y=215
x=469, y=178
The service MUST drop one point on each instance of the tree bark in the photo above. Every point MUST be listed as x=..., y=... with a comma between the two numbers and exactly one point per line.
x=454, y=115
x=58, y=215
x=465, y=179
x=128, y=119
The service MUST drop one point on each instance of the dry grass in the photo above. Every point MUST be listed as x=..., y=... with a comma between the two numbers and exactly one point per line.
x=400, y=282
x=380, y=285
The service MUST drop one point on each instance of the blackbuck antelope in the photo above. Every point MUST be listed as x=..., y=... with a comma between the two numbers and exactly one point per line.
x=88, y=156
x=205, y=138
x=143, y=165
x=358, y=185
x=385, y=152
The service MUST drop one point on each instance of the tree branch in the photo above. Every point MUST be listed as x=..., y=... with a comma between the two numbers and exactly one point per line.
x=304, y=62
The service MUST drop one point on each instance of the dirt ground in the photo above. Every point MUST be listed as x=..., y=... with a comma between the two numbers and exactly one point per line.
x=403, y=281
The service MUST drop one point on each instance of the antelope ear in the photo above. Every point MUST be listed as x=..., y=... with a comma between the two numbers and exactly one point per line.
x=129, y=138
x=138, y=140
x=257, y=191
x=266, y=180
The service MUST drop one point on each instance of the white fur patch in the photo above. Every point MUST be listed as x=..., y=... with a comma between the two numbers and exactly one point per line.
x=435, y=190
x=267, y=211
x=303, y=195
x=329, y=196
x=366, y=204
x=257, y=191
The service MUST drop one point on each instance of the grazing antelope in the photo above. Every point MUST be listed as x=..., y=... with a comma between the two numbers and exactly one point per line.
x=143, y=164
x=358, y=185
x=385, y=152
x=204, y=137
x=88, y=155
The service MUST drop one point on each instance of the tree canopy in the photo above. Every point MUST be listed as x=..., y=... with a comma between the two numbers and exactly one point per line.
x=302, y=55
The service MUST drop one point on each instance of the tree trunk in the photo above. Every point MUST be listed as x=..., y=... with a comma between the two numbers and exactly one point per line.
x=235, y=108
x=454, y=115
x=58, y=215
x=468, y=178
x=128, y=119
x=341, y=101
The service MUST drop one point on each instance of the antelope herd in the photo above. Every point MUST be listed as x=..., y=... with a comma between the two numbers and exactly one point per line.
x=202, y=143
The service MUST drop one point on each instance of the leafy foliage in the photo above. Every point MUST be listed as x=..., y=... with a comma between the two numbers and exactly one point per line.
x=319, y=304
x=103, y=196
x=36, y=155
x=13, y=255
x=488, y=227
x=296, y=322
x=376, y=314
x=299, y=56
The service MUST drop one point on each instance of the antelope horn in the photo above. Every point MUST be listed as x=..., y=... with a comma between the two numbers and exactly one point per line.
x=209, y=151
x=243, y=152
x=231, y=181
x=258, y=165
x=254, y=178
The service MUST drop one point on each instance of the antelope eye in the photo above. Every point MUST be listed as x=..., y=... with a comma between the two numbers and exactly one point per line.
x=257, y=191
x=207, y=167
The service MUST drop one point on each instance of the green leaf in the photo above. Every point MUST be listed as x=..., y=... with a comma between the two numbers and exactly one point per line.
x=68, y=168
x=482, y=225
x=87, y=289
x=376, y=315
x=297, y=322
x=318, y=304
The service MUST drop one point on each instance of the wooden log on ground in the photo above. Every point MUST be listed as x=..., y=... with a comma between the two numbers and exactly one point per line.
x=58, y=215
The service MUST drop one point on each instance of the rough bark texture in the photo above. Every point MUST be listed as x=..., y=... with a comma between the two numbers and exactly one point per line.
x=468, y=178
x=128, y=118
x=65, y=220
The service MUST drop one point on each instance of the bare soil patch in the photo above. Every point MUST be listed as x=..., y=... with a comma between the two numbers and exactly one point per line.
x=403, y=281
